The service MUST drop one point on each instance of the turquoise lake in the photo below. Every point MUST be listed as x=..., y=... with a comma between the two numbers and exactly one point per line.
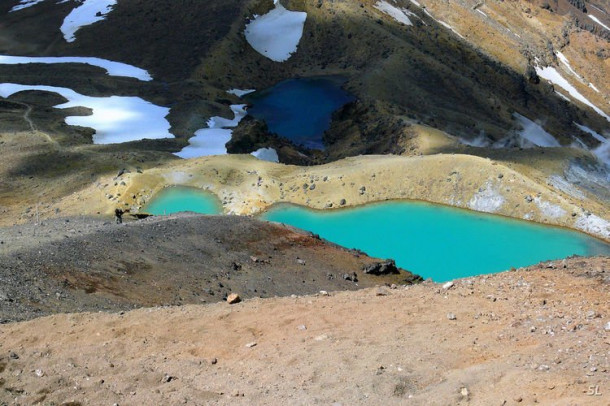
x=299, y=109
x=177, y=199
x=440, y=242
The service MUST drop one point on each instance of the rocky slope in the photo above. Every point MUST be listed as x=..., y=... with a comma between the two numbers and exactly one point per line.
x=88, y=264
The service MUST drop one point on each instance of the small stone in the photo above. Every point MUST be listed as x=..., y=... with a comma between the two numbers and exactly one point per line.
x=324, y=293
x=167, y=378
x=214, y=361
x=544, y=368
x=464, y=392
x=342, y=202
x=39, y=373
x=448, y=285
x=381, y=292
x=518, y=399
x=591, y=314
x=353, y=277
x=451, y=316
x=252, y=344
x=233, y=298
x=301, y=261
x=532, y=329
x=302, y=327
x=13, y=355
x=607, y=326
x=254, y=259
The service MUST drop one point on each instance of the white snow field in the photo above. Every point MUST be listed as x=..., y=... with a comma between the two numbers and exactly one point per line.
x=89, y=12
x=112, y=68
x=534, y=133
x=552, y=75
x=599, y=22
x=266, y=154
x=531, y=135
x=399, y=14
x=276, y=34
x=115, y=119
x=25, y=4
x=212, y=140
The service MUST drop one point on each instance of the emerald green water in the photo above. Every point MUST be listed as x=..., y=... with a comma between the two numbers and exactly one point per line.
x=177, y=199
x=439, y=242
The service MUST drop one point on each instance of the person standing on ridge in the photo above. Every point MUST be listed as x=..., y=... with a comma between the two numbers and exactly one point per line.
x=118, y=213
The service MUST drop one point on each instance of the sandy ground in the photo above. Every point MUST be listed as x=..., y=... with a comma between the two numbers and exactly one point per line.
x=531, y=336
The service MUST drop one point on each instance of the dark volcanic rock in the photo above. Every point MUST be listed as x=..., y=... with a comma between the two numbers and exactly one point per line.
x=382, y=268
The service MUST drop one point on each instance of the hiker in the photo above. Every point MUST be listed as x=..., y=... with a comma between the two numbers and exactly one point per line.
x=118, y=213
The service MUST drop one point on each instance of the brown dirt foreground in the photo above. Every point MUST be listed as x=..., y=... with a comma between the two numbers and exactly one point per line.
x=535, y=335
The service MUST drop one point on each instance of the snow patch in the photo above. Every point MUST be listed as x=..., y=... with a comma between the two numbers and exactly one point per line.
x=534, y=133
x=480, y=141
x=266, y=154
x=487, y=200
x=112, y=68
x=212, y=140
x=25, y=4
x=115, y=119
x=594, y=134
x=240, y=92
x=599, y=22
x=549, y=209
x=562, y=184
x=592, y=86
x=593, y=224
x=552, y=75
x=565, y=61
x=276, y=34
x=444, y=24
x=89, y=12
x=602, y=152
x=399, y=14
x=416, y=3
x=566, y=98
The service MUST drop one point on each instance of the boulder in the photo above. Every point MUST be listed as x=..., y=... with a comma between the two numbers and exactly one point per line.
x=381, y=268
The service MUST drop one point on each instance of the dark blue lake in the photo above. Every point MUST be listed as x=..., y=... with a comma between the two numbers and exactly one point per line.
x=299, y=109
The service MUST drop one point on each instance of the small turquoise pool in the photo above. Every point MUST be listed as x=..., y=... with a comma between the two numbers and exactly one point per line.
x=440, y=242
x=299, y=109
x=176, y=199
